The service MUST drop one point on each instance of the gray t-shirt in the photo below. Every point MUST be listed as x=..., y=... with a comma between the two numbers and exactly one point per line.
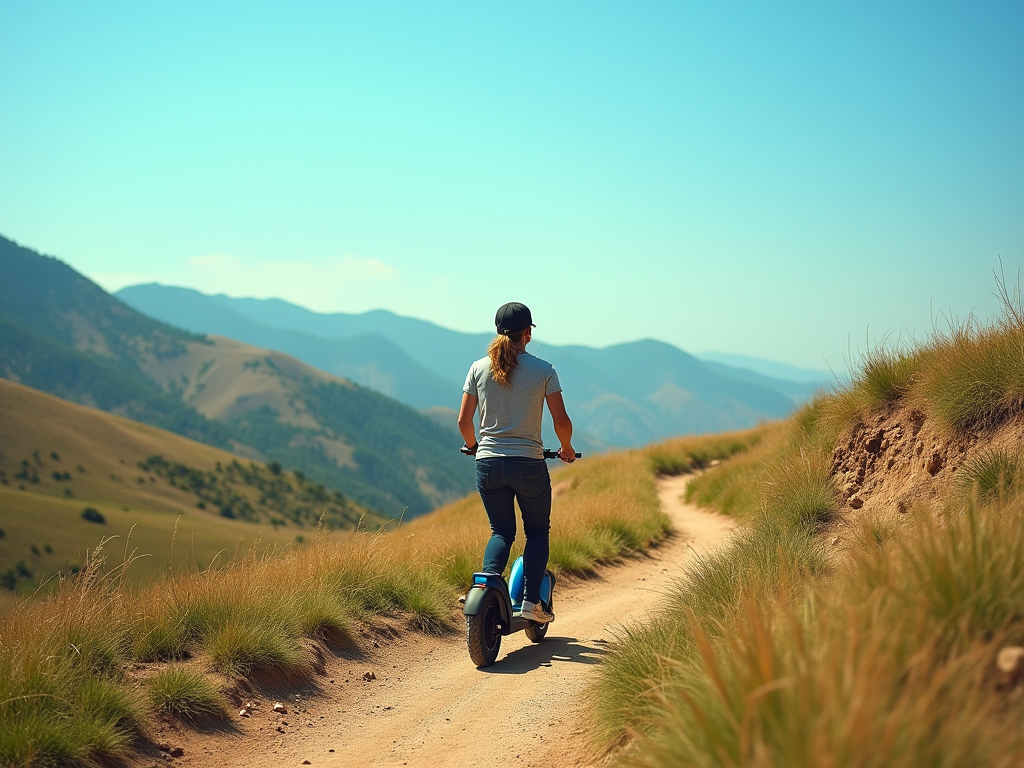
x=510, y=417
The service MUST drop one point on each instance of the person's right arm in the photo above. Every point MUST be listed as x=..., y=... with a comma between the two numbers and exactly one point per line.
x=563, y=427
x=466, y=411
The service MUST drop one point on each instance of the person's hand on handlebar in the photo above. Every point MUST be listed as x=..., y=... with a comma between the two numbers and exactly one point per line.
x=567, y=454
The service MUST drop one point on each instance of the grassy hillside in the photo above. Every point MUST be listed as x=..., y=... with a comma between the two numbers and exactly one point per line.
x=257, y=615
x=869, y=612
x=61, y=333
x=58, y=458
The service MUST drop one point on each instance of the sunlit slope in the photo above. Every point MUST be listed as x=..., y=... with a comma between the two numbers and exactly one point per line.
x=224, y=379
x=383, y=453
x=57, y=458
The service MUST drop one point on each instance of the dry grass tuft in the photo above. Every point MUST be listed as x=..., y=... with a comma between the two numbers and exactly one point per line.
x=185, y=694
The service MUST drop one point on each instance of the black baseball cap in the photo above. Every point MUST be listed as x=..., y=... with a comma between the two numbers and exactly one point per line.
x=512, y=318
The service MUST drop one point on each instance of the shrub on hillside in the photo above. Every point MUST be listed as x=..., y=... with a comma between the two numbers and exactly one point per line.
x=93, y=515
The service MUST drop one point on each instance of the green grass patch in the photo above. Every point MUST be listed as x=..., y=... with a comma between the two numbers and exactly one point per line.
x=245, y=644
x=186, y=694
x=681, y=456
x=63, y=696
x=763, y=561
x=995, y=473
x=975, y=376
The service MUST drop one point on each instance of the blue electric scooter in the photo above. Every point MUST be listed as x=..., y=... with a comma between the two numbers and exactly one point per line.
x=494, y=608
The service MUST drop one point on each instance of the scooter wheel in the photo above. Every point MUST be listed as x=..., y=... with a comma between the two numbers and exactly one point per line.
x=536, y=632
x=483, y=636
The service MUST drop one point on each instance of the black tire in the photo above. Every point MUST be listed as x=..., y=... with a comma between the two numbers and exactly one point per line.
x=483, y=637
x=536, y=632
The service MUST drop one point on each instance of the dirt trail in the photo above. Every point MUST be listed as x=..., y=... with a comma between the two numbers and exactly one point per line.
x=429, y=706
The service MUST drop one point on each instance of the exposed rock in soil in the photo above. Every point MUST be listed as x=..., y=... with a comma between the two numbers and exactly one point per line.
x=1010, y=662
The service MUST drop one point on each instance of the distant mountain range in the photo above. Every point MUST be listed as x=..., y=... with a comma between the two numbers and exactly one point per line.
x=770, y=368
x=63, y=334
x=623, y=395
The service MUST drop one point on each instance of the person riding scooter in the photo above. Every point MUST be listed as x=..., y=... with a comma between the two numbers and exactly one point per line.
x=510, y=387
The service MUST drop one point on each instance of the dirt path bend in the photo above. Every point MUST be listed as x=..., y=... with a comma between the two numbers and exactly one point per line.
x=429, y=706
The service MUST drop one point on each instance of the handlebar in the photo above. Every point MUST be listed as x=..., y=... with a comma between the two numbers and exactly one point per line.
x=548, y=453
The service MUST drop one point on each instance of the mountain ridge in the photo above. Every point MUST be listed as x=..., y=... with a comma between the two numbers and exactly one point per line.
x=616, y=396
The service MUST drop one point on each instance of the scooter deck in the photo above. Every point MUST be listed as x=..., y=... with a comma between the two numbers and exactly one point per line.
x=519, y=623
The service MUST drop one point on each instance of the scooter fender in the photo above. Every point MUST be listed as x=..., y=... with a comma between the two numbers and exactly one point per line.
x=475, y=601
x=481, y=587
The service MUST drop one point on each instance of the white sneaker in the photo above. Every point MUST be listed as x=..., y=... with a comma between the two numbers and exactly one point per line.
x=536, y=612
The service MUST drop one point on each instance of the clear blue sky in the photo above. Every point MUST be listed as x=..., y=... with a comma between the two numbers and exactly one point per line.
x=774, y=179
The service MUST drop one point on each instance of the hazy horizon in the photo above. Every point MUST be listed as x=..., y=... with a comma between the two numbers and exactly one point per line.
x=778, y=182
x=711, y=353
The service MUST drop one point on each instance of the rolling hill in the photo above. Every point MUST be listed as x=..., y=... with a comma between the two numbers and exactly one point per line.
x=61, y=333
x=59, y=458
x=623, y=395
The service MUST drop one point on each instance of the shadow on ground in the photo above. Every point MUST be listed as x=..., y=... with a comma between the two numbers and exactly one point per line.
x=547, y=653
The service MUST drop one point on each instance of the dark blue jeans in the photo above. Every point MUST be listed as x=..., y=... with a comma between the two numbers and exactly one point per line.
x=502, y=481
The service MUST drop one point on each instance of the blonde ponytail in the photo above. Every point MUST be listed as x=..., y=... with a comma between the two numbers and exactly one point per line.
x=504, y=356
